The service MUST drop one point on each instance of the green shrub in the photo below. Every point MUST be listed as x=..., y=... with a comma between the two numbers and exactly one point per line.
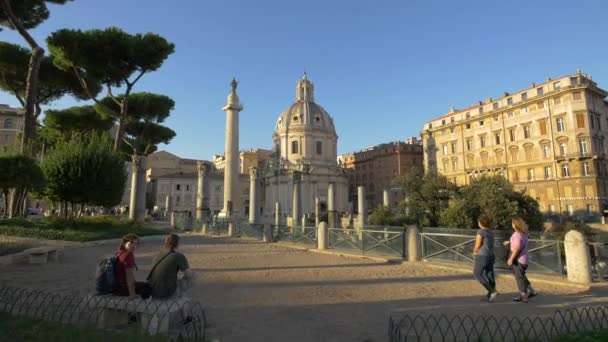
x=77, y=229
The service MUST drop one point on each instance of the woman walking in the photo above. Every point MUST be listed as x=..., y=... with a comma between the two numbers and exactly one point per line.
x=518, y=259
x=484, y=258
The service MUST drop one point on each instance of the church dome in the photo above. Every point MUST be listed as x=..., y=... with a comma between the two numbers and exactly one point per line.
x=305, y=132
x=305, y=113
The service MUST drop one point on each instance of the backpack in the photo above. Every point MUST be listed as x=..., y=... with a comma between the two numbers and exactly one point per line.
x=105, y=281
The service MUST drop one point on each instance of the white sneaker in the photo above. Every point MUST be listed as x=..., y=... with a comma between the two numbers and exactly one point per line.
x=493, y=296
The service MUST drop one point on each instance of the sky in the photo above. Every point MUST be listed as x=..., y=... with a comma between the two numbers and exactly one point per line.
x=381, y=68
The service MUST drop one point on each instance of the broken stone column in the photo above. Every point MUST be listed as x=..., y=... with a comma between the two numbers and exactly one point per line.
x=253, y=195
x=317, y=211
x=362, y=207
x=295, y=213
x=331, y=209
x=200, y=193
x=578, y=259
x=413, y=243
x=277, y=215
x=386, y=198
x=168, y=207
x=322, y=236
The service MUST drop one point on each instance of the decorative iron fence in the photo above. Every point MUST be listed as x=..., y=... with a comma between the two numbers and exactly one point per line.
x=426, y=327
x=386, y=241
x=180, y=319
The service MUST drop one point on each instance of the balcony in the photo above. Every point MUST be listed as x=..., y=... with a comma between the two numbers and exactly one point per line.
x=575, y=155
x=491, y=167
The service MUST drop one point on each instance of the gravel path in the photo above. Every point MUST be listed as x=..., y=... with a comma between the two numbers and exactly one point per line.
x=269, y=292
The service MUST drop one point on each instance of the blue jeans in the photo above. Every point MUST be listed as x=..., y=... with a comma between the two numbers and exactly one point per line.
x=484, y=271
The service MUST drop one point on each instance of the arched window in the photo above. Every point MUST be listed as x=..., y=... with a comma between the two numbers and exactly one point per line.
x=8, y=124
x=319, y=147
x=294, y=147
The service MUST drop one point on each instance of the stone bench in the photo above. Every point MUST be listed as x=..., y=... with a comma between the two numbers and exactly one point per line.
x=154, y=316
x=40, y=255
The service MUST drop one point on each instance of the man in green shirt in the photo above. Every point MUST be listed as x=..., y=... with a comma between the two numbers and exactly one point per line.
x=167, y=264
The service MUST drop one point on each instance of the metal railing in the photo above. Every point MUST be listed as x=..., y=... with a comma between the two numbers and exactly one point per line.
x=306, y=235
x=427, y=327
x=546, y=253
x=180, y=319
x=385, y=241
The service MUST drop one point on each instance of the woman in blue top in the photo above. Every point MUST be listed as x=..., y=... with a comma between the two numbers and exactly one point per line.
x=484, y=258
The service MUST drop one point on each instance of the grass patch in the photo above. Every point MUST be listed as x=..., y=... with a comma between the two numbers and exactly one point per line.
x=76, y=229
x=593, y=336
x=19, y=328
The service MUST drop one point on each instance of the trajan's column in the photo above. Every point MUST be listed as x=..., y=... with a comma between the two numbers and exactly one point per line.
x=231, y=153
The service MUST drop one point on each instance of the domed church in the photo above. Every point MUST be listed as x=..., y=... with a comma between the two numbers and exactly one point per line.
x=305, y=159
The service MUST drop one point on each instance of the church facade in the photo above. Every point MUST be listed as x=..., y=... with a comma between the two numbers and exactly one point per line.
x=304, y=158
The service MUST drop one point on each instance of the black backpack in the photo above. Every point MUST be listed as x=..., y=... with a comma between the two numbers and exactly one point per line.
x=105, y=280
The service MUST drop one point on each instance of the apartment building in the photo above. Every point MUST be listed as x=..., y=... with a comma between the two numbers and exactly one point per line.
x=11, y=126
x=548, y=139
x=376, y=167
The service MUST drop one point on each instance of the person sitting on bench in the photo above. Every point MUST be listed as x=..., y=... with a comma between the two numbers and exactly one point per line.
x=163, y=276
x=124, y=274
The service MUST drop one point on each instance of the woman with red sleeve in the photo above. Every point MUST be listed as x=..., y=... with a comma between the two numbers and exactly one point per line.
x=124, y=270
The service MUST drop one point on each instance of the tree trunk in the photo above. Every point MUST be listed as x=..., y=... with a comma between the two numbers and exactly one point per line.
x=120, y=131
x=6, y=194
x=31, y=92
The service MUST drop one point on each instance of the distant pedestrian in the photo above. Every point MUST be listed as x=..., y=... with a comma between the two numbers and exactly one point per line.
x=518, y=259
x=485, y=257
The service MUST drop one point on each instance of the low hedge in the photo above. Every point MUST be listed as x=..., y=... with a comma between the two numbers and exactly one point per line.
x=76, y=229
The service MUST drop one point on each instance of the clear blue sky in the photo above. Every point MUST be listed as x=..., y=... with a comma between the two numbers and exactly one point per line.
x=381, y=68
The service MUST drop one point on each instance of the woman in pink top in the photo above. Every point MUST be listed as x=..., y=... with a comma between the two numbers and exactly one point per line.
x=518, y=259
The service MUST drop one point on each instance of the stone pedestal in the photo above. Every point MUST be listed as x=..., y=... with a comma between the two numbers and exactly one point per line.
x=578, y=260
x=332, y=216
x=205, y=228
x=322, y=236
x=413, y=243
x=362, y=207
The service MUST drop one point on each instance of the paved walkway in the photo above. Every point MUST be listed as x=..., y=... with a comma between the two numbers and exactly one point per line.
x=269, y=292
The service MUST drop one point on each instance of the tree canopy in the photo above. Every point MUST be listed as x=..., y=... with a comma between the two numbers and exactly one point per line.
x=143, y=131
x=78, y=119
x=21, y=15
x=30, y=13
x=114, y=59
x=18, y=172
x=83, y=169
x=53, y=83
x=427, y=195
x=495, y=197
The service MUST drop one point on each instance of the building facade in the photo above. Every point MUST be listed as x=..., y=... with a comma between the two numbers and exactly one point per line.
x=256, y=157
x=376, y=168
x=548, y=139
x=181, y=188
x=11, y=126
